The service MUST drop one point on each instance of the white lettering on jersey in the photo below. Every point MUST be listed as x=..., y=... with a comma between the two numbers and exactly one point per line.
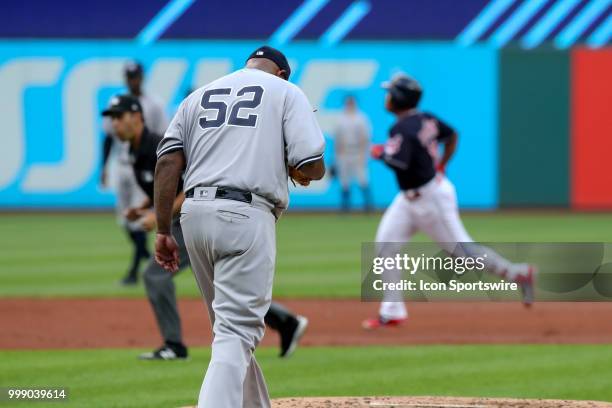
x=393, y=145
x=427, y=136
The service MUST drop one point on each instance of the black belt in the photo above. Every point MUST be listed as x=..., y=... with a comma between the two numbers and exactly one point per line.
x=226, y=193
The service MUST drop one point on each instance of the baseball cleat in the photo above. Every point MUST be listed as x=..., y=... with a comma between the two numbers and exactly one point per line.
x=378, y=322
x=290, y=336
x=527, y=283
x=165, y=353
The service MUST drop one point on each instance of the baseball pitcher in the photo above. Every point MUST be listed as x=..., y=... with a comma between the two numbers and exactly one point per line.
x=125, y=113
x=237, y=139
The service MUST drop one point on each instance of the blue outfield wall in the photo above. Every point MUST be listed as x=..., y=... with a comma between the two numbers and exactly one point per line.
x=53, y=92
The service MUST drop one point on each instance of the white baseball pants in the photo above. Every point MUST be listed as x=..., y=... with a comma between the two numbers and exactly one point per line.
x=434, y=213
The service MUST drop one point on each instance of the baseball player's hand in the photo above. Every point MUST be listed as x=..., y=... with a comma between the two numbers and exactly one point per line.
x=134, y=213
x=440, y=168
x=166, y=252
x=377, y=150
x=148, y=221
x=298, y=177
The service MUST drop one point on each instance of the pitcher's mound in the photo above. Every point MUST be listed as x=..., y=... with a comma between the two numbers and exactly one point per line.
x=430, y=402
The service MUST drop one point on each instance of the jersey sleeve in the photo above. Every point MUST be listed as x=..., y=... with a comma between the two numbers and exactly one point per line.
x=304, y=140
x=444, y=130
x=175, y=134
x=398, y=151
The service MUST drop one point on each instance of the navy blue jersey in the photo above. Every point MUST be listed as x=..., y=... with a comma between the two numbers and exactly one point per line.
x=411, y=149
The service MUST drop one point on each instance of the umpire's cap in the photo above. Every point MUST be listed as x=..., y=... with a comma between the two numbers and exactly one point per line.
x=273, y=55
x=405, y=91
x=122, y=103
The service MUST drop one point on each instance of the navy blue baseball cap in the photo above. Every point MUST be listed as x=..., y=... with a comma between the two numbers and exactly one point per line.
x=133, y=69
x=273, y=55
x=122, y=103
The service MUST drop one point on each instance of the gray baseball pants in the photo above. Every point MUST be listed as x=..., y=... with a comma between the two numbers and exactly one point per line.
x=232, y=247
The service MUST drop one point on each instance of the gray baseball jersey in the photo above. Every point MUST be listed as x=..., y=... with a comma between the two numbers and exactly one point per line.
x=353, y=132
x=242, y=130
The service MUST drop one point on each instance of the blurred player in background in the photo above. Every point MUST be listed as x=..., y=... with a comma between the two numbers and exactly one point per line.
x=427, y=201
x=126, y=115
x=129, y=194
x=351, y=140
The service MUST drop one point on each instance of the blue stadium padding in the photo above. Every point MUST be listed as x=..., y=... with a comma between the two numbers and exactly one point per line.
x=460, y=86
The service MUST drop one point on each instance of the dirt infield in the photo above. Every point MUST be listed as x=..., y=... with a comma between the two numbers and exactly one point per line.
x=431, y=402
x=94, y=323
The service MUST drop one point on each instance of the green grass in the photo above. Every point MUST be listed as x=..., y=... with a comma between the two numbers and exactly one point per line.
x=318, y=256
x=84, y=255
x=114, y=378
